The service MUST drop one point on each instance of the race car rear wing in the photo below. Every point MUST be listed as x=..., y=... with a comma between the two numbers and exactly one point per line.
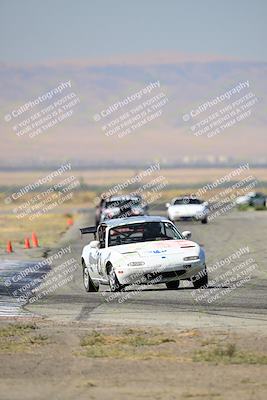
x=89, y=229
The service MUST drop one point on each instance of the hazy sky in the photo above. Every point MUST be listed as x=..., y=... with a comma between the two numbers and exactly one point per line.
x=47, y=30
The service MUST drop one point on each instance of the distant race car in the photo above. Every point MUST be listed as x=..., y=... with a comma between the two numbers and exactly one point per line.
x=120, y=206
x=254, y=199
x=186, y=207
x=141, y=250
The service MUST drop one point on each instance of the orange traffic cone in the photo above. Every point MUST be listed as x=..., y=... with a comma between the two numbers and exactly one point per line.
x=34, y=240
x=27, y=244
x=70, y=221
x=9, y=248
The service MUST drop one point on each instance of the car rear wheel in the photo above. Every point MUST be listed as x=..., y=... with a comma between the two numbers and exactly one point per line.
x=114, y=284
x=201, y=281
x=173, y=285
x=87, y=281
x=204, y=221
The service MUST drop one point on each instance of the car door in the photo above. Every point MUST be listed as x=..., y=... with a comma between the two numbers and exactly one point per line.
x=94, y=255
x=103, y=252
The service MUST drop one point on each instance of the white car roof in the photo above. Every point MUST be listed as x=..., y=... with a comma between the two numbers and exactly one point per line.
x=133, y=220
x=122, y=198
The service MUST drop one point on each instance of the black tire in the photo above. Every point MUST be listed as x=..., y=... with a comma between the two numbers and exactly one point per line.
x=87, y=281
x=114, y=284
x=204, y=221
x=173, y=285
x=202, y=282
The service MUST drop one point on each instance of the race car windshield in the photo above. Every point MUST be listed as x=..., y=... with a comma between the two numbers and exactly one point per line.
x=142, y=232
x=112, y=204
x=186, y=200
x=122, y=203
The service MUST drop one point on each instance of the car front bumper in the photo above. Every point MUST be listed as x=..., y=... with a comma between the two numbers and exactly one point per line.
x=195, y=217
x=160, y=274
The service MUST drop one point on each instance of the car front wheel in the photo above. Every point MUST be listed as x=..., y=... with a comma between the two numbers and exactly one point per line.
x=201, y=281
x=87, y=281
x=114, y=284
x=173, y=285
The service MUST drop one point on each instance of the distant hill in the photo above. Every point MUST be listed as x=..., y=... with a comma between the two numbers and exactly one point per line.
x=186, y=82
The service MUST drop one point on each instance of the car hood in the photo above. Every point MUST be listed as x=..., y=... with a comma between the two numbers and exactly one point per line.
x=158, y=248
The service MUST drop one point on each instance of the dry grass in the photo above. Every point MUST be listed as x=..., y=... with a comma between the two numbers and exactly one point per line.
x=20, y=338
x=80, y=199
x=85, y=199
x=95, y=182
x=112, y=176
x=130, y=344
x=204, y=395
x=228, y=354
x=142, y=345
x=48, y=227
x=245, y=207
x=121, y=363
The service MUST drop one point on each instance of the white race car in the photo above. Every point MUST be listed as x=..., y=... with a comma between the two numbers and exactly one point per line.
x=253, y=199
x=141, y=250
x=184, y=208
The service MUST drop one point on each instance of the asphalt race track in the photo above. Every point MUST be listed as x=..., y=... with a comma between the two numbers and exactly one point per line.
x=242, y=307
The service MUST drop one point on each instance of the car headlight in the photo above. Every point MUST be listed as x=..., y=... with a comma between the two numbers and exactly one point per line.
x=136, y=263
x=192, y=258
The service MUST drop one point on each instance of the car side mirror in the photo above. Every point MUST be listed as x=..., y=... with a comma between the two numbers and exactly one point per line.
x=187, y=234
x=205, y=204
x=167, y=205
x=94, y=244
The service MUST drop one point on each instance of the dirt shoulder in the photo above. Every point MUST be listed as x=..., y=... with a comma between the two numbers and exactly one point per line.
x=97, y=358
x=41, y=359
